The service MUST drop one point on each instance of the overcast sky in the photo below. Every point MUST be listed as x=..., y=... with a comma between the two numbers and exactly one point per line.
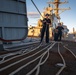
x=68, y=17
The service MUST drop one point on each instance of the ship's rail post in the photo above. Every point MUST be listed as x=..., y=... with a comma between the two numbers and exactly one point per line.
x=1, y=46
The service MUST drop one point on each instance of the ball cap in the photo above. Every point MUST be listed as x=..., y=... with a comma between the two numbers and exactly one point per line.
x=47, y=15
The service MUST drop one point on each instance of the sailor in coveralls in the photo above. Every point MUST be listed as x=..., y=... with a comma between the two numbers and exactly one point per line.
x=46, y=22
x=60, y=29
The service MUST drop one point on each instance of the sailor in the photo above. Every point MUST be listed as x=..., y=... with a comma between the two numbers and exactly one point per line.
x=46, y=22
x=60, y=29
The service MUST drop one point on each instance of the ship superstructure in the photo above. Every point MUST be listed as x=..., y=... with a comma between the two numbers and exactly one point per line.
x=53, y=10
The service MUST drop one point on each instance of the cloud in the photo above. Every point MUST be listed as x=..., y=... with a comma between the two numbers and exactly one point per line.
x=33, y=14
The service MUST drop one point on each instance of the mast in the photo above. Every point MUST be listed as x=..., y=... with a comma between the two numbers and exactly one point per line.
x=56, y=8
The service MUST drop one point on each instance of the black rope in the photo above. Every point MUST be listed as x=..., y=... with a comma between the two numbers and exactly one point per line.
x=36, y=8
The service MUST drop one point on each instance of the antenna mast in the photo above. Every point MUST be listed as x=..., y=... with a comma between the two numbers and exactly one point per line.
x=56, y=8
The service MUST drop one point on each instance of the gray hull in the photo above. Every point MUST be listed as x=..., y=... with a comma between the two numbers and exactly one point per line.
x=13, y=20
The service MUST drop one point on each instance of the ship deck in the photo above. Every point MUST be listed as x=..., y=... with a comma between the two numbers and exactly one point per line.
x=54, y=58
